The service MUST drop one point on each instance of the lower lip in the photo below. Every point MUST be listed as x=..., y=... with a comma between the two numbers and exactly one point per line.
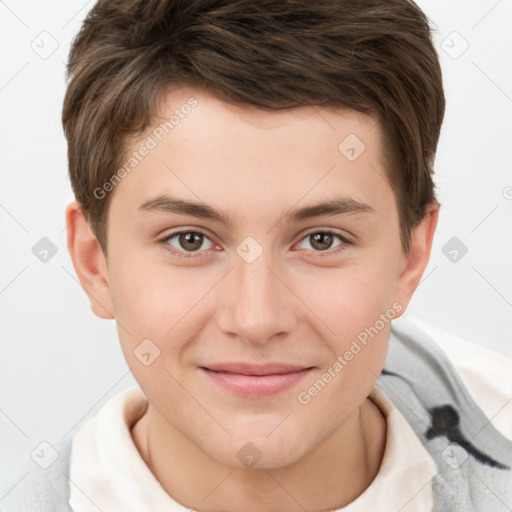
x=257, y=385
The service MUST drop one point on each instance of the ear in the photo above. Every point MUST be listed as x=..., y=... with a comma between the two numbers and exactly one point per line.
x=89, y=262
x=417, y=258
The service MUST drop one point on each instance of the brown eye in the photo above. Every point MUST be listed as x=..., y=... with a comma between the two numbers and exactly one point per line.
x=190, y=240
x=321, y=241
x=186, y=243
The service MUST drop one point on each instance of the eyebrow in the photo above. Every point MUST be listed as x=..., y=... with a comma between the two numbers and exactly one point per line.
x=336, y=206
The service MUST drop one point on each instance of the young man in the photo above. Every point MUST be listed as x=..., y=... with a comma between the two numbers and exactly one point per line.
x=254, y=207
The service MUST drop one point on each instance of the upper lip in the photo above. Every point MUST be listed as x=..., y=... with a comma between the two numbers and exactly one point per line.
x=255, y=369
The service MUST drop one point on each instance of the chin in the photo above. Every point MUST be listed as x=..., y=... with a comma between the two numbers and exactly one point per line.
x=259, y=452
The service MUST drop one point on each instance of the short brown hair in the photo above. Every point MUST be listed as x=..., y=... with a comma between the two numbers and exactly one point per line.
x=372, y=56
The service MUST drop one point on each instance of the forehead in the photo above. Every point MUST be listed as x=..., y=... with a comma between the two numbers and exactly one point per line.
x=203, y=149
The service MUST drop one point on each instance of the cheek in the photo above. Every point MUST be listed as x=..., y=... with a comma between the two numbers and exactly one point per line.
x=359, y=309
x=352, y=298
x=150, y=297
x=357, y=304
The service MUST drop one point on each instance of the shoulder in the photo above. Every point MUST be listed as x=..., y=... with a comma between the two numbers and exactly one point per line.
x=486, y=374
x=42, y=484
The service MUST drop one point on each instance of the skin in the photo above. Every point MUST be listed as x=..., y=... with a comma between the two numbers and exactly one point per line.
x=295, y=303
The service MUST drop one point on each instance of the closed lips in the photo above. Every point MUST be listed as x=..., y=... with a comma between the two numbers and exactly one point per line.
x=255, y=370
x=256, y=381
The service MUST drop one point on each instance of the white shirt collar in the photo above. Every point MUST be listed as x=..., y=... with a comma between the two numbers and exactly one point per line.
x=108, y=473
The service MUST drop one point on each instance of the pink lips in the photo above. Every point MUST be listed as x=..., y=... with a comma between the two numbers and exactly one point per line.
x=256, y=380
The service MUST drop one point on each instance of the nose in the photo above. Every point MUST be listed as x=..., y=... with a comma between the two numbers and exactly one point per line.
x=258, y=303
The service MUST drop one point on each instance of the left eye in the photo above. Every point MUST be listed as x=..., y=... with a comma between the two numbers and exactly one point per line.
x=320, y=239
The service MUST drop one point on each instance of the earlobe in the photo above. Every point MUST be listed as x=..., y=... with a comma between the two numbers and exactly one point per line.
x=417, y=258
x=89, y=261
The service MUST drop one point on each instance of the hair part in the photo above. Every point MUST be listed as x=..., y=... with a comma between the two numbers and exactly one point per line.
x=375, y=57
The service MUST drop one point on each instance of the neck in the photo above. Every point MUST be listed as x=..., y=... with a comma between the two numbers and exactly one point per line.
x=329, y=477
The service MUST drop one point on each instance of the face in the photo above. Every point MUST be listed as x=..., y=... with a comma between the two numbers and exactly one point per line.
x=268, y=321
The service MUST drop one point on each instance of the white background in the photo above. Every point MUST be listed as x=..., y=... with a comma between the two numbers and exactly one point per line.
x=59, y=363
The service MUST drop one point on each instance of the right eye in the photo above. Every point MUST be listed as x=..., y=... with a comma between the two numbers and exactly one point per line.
x=185, y=239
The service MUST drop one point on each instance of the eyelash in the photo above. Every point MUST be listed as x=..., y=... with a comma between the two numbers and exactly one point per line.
x=193, y=254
